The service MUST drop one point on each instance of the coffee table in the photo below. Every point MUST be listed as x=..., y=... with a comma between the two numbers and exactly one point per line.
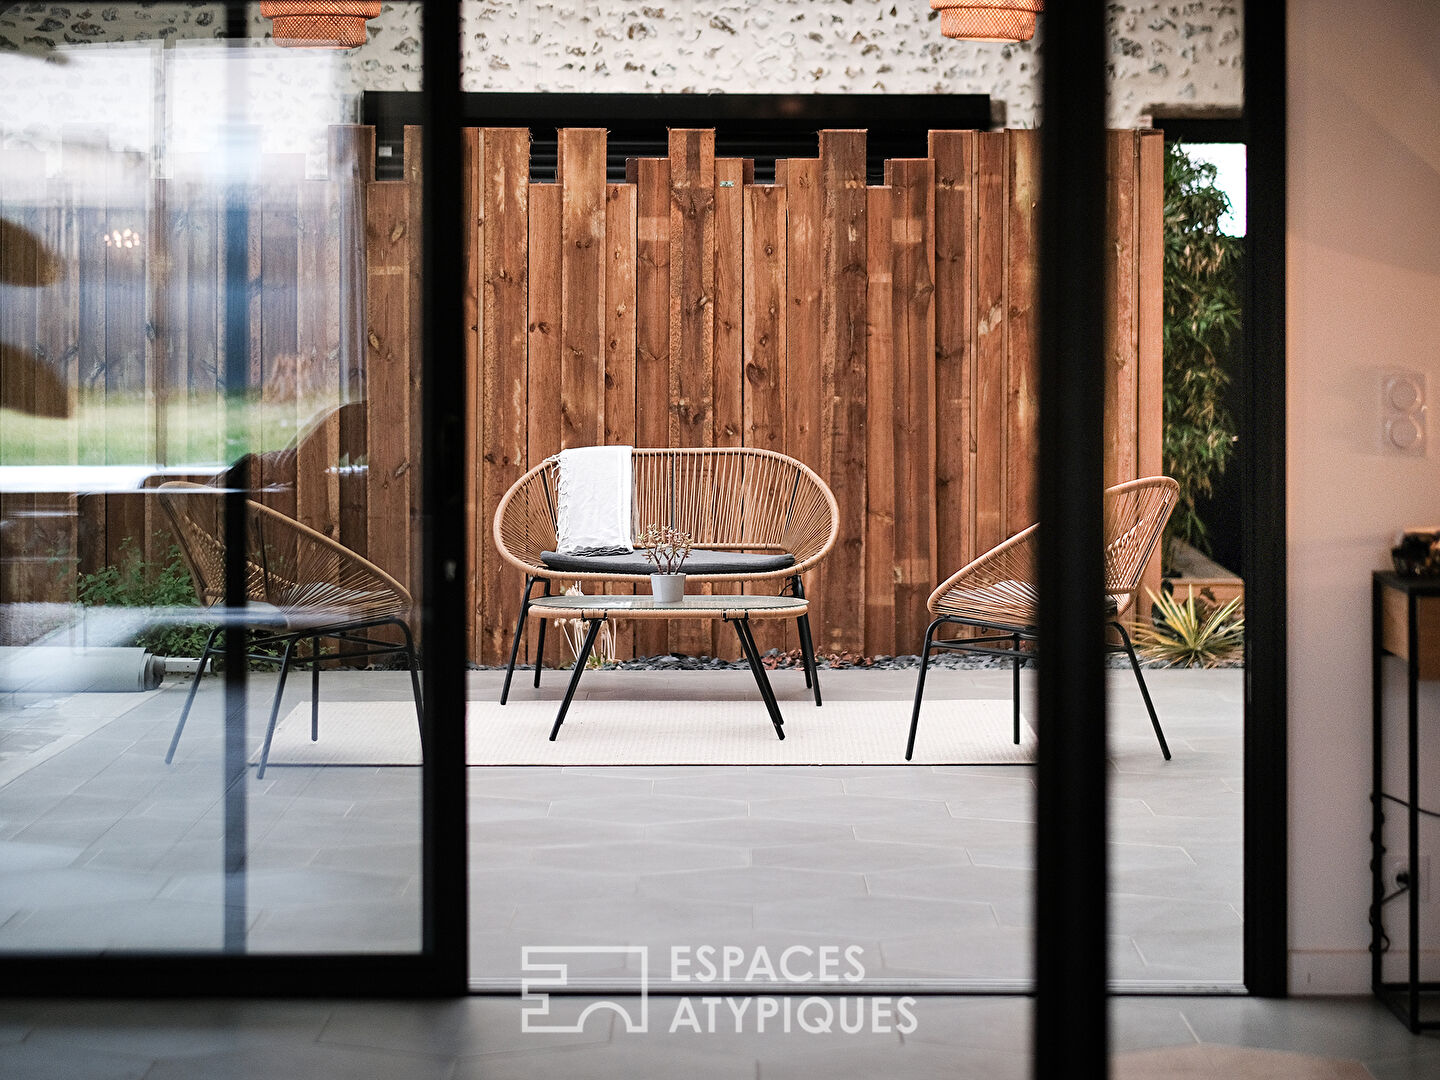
x=738, y=611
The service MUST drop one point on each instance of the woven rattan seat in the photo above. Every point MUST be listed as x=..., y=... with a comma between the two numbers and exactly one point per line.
x=997, y=591
x=731, y=500
x=300, y=585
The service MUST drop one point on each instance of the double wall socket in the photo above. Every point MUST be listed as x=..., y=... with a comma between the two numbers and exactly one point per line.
x=1397, y=866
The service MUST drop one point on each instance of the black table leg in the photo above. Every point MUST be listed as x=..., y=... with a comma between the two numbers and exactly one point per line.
x=590, y=634
x=752, y=654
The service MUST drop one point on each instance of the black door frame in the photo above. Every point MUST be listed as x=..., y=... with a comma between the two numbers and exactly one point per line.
x=439, y=968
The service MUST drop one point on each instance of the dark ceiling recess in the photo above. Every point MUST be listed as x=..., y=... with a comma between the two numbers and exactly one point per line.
x=759, y=126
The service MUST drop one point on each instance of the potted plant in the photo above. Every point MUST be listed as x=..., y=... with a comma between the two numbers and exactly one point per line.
x=666, y=549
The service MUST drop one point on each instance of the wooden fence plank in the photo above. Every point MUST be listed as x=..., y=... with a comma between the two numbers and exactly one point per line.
x=1022, y=360
x=318, y=350
x=352, y=170
x=505, y=190
x=764, y=394
x=954, y=155
x=839, y=616
x=546, y=424
x=1150, y=289
x=278, y=292
x=1121, y=327
x=415, y=346
x=988, y=440
x=729, y=379
x=387, y=375
x=582, y=286
x=692, y=324
x=880, y=568
x=913, y=181
x=472, y=239
x=619, y=329
x=651, y=177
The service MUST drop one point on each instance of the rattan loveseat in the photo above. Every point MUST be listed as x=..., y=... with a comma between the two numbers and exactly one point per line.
x=756, y=517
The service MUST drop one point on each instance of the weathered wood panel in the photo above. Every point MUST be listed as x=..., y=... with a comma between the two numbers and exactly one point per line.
x=1022, y=358
x=988, y=437
x=729, y=378
x=840, y=621
x=581, y=176
x=880, y=566
x=620, y=209
x=504, y=381
x=546, y=421
x=913, y=292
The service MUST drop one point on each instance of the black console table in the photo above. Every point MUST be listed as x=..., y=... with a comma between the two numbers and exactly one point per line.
x=1403, y=628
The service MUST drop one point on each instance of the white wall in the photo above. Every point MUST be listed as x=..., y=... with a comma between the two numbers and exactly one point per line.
x=1364, y=290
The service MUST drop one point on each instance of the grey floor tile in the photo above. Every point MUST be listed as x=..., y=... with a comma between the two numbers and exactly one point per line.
x=648, y=809
x=314, y=1062
x=752, y=885
x=860, y=856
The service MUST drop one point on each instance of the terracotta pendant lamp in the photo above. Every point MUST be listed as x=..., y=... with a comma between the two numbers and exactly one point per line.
x=988, y=20
x=313, y=24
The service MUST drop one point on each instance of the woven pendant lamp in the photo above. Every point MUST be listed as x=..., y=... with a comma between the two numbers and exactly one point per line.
x=314, y=24
x=988, y=20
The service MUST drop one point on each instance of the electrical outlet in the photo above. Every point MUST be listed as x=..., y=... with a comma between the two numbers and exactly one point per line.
x=1397, y=867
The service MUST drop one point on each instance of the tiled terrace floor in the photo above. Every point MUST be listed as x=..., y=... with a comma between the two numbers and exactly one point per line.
x=954, y=1039
x=927, y=869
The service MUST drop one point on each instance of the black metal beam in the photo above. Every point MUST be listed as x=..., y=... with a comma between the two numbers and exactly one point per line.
x=1262, y=455
x=444, y=528
x=1071, y=1037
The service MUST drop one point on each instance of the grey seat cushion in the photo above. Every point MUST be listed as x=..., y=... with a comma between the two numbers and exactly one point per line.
x=700, y=563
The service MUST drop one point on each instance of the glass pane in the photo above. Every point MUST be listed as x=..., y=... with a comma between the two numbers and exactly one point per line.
x=209, y=314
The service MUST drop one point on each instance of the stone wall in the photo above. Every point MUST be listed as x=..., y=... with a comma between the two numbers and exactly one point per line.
x=1187, y=53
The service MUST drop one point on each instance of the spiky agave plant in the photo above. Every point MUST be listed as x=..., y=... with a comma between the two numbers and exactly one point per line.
x=1192, y=633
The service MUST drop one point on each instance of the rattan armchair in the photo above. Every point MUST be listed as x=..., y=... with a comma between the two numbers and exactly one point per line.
x=756, y=516
x=997, y=591
x=300, y=585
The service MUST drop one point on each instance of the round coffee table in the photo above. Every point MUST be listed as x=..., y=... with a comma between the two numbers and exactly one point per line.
x=738, y=611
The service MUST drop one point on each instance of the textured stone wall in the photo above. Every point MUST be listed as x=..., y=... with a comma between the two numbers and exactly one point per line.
x=1166, y=52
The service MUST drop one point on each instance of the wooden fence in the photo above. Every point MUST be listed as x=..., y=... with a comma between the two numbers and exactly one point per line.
x=883, y=335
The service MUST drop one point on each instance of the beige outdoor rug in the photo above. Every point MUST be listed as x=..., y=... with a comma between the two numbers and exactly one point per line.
x=654, y=732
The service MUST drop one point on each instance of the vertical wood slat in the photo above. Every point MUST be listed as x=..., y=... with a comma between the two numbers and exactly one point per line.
x=844, y=265
x=414, y=179
x=387, y=334
x=318, y=381
x=545, y=421
x=764, y=332
x=954, y=155
x=581, y=176
x=278, y=290
x=804, y=402
x=692, y=329
x=352, y=171
x=1150, y=292
x=988, y=395
x=505, y=410
x=472, y=226
x=128, y=205
x=651, y=177
x=1022, y=358
x=619, y=331
x=880, y=492
x=728, y=377
x=913, y=185
x=1121, y=328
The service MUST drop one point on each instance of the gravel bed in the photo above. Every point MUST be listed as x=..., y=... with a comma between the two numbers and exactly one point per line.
x=877, y=663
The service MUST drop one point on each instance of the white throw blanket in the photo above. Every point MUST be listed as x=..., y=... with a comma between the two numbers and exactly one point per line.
x=593, y=502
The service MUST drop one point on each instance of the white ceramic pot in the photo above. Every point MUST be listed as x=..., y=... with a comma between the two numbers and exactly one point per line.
x=667, y=588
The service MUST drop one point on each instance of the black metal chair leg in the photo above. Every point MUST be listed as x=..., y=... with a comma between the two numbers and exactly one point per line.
x=190, y=697
x=314, y=689
x=590, y=634
x=275, y=708
x=807, y=644
x=752, y=656
x=1144, y=690
x=540, y=643
x=515, y=645
x=920, y=687
x=414, y=679
x=1015, y=684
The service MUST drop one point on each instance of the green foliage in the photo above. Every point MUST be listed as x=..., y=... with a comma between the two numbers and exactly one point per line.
x=1192, y=633
x=1202, y=320
x=132, y=583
